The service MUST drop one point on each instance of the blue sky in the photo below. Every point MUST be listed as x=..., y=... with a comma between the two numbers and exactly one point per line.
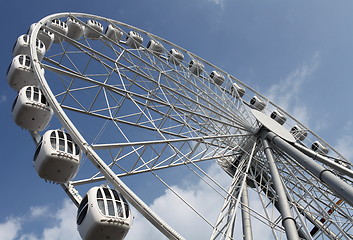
x=298, y=53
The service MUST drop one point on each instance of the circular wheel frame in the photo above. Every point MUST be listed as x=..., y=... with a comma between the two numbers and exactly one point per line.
x=147, y=125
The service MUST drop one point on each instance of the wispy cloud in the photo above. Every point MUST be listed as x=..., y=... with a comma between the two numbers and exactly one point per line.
x=180, y=217
x=344, y=142
x=286, y=93
x=10, y=228
x=3, y=98
x=218, y=2
x=66, y=227
x=344, y=146
x=62, y=224
x=38, y=211
x=29, y=236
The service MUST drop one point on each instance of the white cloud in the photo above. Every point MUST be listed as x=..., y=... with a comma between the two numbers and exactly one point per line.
x=3, y=98
x=38, y=211
x=286, y=93
x=344, y=142
x=344, y=146
x=217, y=2
x=179, y=216
x=66, y=227
x=62, y=221
x=10, y=228
x=29, y=236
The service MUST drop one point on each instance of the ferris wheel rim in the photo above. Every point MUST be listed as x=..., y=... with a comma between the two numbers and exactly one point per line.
x=65, y=120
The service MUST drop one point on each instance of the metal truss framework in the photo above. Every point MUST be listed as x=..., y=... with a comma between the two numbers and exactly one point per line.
x=136, y=115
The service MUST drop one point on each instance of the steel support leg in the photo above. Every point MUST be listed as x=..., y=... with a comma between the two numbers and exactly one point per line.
x=329, y=162
x=337, y=185
x=245, y=212
x=288, y=221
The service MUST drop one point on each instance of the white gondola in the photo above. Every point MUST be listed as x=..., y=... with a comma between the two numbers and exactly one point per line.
x=44, y=35
x=20, y=72
x=59, y=28
x=93, y=30
x=196, y=67
x=217, y=78
x=134, y=40
x=175, y=56
x=113, y=33
x=237, y=90
x=298, y=133
x=319, y=148
x=103, y=214
x=155, y=47
x=75, y=28
x=57, y=157
x=31, y=110
x=22, y=47
x=278, y=117
x=257, y=103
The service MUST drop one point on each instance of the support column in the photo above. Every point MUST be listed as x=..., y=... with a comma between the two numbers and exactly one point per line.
x=334, y=183
x=288, y=221
x=245, y=212
x=329, y=162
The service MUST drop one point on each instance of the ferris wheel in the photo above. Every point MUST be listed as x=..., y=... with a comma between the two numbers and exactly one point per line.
x=131, y=112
